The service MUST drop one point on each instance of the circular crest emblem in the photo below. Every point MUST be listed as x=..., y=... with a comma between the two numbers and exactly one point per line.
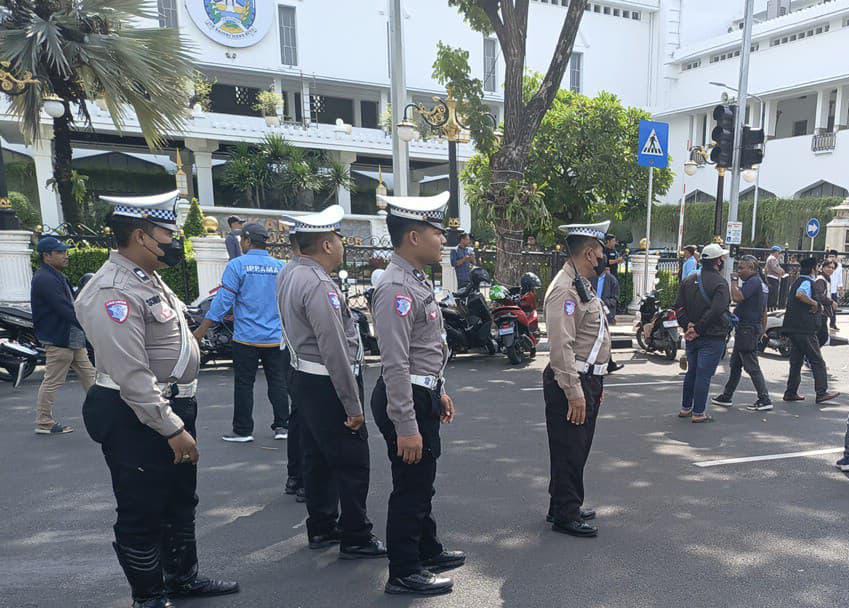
x=234, y=23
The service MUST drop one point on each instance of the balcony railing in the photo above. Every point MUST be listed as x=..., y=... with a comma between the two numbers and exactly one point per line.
x=823, y=142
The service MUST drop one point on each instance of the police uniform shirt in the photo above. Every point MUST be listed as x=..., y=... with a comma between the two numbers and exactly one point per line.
x=573, y=328
x=133, y=320
x=319, y=327
x=408, y=324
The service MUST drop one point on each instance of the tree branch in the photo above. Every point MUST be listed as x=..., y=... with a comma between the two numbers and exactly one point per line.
x=490, y=7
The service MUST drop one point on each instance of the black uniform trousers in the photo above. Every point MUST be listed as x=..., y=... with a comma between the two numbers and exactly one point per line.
x=410, y=526
x=294, y=458
x=275, y=363
x=774, y=292
x=806, y=346
x=335, y=461
x=156, y=499
x=568, y=444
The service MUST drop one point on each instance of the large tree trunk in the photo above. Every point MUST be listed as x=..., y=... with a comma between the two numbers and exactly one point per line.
x=62, y=169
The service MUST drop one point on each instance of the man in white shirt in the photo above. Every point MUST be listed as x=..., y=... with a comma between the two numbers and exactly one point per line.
x=836, y=284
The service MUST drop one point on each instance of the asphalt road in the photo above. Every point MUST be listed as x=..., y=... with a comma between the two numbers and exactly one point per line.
x=768, y=533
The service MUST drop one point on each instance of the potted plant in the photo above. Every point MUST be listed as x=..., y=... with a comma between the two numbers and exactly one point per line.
x=268, y=103
x=200, y=92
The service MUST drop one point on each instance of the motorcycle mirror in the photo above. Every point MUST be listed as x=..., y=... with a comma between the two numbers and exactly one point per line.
x=343, y=275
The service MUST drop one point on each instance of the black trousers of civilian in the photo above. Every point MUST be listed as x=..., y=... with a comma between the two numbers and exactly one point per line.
x=335, y=461
x=410, y=526
x=748, y=361
x=246, y=361
x=774, y=290
x=156, y=499
x=806, y=346
x=568, y=444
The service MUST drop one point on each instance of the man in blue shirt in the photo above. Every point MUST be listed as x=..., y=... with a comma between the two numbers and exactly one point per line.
x=690, y=266
x=249, y=288
x=461, y=259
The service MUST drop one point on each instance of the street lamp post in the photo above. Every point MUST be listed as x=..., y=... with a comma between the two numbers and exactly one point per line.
x=445, y=118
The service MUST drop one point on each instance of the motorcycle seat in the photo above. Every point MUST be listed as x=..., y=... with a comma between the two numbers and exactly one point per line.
x=14, y=311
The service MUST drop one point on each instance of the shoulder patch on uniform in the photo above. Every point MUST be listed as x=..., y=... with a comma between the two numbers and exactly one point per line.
x=141, y=274
x=118, y=310
x=333, y=297
x=403, y=305
x=569, y=307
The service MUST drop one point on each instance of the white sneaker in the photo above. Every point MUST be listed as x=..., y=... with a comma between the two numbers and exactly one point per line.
x=281, y=434
x=238, y=438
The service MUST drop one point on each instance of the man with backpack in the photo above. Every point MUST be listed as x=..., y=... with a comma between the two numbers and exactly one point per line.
x=702, y=309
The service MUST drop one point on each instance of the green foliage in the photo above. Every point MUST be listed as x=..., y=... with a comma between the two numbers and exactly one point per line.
x=202, y=90
x=267, y=103
x=780, y=221
x=521, y=203
x=30, y=216
x=82, y=260
x=472, y=11
x=667, y=284
x=626, y=288
x=194, y=221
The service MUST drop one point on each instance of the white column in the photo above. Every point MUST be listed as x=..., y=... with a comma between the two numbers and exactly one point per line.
x=841, y=121
x=290, y=105
x=15, y=265
x=203, y=149
x=821, y=117
x=343, y=196
x=769, y=118
x=637, y=268
x=463, y=205
x=449, y=277
x=378, y=227
x=358, y=112
x=211, y=258
x=305, y=103
x=383, y=104
x=42, y=156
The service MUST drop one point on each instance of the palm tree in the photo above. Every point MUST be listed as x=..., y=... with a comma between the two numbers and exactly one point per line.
x=82, y=49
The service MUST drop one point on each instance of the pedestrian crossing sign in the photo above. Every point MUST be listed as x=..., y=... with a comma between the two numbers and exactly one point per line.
x=653, y=149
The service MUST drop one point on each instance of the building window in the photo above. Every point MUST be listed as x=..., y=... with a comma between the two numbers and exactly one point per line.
x=800, y=127
x=575, y=72
x=167, y=13
x=490, y=65
x=288, y=36
x=692, y=65
x=635, y=15
x=368, y=112
x=596, y=8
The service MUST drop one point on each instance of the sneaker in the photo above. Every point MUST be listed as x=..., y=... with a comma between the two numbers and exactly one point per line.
x=292, y=485
x=760, y=406
x=827, y=397
x=234, y=438
x=56, y=429
x=843, y=464
x=722, y=400
x=281, y=433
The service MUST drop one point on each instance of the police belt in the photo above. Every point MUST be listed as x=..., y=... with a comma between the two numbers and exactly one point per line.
x=591, y=370
x=317, y=369
x=431, y=383
x=169, y=390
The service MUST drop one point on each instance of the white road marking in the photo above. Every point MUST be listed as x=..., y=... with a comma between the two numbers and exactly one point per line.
x=717, y=463
x=539, y=388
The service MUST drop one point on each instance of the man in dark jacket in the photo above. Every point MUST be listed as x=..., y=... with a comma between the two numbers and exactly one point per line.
x=57, y=329
x=801, y=322
x=232, y=242
x=608, y=290
x=702, y=309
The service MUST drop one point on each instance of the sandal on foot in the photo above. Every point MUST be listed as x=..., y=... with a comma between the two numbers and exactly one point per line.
x=685, y=413
x=700, y=419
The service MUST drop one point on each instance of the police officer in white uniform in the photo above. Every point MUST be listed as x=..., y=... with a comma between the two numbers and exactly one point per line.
x=409, y=400
x=142, y=409
x=326, y=385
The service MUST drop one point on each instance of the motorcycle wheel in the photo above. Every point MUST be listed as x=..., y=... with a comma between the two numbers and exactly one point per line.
x=491, y=348
x=515, y=353
x=9, y=373
x=640, y=340
x=671, y=350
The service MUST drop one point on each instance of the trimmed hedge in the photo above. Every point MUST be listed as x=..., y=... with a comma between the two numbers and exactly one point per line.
x=89, y=259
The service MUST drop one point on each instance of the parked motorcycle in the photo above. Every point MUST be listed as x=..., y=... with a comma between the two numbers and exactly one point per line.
x=20, y=350
x=359, y=314
x=467, y=318
x=774, y=338
x=656, y=329
x=516, y=319
x=217, y=345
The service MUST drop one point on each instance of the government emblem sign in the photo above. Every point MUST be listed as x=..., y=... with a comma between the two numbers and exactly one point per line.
x=234, y=23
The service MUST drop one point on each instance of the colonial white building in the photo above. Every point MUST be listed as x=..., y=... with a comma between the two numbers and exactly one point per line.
x=330, y=61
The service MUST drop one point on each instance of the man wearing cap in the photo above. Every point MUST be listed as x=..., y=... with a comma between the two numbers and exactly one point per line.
x=326, y=356
x=573, y=381
x=801, y=322
x=690, y=265
x=613, y=257
x=58, y=330
x=702, y=309
x=774, y=273
x=409, y=400
x=142, y=409
x=248, y=288
x=234, y=247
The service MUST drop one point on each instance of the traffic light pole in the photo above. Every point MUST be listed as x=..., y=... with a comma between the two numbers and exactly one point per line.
x=717, y=211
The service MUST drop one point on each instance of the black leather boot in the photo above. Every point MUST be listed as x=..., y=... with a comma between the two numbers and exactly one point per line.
x=180, y=565
x=144, y=573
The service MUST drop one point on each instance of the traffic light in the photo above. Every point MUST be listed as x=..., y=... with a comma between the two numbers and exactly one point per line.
x=723, y=136
x=753, y=153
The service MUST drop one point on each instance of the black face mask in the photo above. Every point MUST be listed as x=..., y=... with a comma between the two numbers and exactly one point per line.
x=601, y=264
x=174, y=252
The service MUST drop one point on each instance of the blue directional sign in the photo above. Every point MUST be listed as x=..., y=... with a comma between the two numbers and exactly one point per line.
x=653, y=150
x=813, y=228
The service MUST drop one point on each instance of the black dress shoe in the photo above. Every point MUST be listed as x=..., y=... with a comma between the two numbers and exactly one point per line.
x=420, y=583
x=585, y=515
x=373, y=548
x=322, y=541
x=292, y=485
x=159, y=602
x=575, y=528
x=301, y=495
x=613, y=366
x=203, y=587
x=447, y=560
